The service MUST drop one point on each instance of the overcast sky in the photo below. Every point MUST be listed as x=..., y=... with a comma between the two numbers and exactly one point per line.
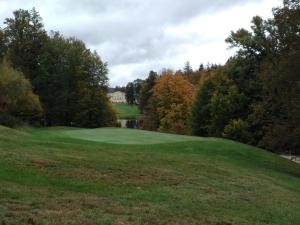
x=135, y=36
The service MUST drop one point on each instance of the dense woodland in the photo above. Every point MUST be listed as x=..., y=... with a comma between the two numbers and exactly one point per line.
x=47, y=79
x=254, y=98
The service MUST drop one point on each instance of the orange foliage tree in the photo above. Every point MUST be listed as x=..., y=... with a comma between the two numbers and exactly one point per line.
x=173, y=96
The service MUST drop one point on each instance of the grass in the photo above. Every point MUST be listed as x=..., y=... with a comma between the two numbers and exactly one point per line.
x=126, y=136
x=79, y=176
x=125, y=111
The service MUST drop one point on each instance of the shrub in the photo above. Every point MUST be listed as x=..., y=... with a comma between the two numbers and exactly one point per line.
x=237, y=130
x=17, y=101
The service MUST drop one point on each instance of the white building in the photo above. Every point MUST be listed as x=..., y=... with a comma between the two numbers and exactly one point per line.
x=117, y=97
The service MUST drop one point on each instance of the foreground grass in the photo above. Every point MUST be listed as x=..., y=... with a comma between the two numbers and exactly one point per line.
x=125, y=111
x=68, y=176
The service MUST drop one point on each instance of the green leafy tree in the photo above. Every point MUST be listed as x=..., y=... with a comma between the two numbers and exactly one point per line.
x=201, y=112
x=129, y=93
x=280, y=73
x=2, y=44
x=237, y=129
x=275, y=43
x=137, y=85
x=73, y=83
x=70, y=80
x=26, y=38
x=146, y=92
x=201, y=67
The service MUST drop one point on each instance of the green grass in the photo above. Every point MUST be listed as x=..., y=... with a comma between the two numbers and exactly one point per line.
x=125, y=111
x=126, y=136
x=119, y=176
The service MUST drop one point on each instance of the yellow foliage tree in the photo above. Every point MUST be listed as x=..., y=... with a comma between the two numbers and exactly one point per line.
x=17, y=101
x=173, y=96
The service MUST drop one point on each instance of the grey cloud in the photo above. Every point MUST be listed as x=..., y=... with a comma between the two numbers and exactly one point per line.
x=124, y=31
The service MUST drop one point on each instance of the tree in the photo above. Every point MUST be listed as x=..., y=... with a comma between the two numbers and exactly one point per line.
x=187, y=68
x=129, y=93
x=2, y=44
x=201, y=112
x=281, y=89
x=72, y=84
x=147, y=106
x=94, y=110
x=274, y=44
x=187, y=71
x=70, y=80
x=119, y=88
x=26, y=39
x=146, y=92
x=237, y=129
x=137, y=85
x=201, y=67
x=218, y=101
x=173, y=96
x=18, y=104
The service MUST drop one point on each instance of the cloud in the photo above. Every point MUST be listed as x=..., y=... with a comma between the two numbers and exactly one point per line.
x=135, y=36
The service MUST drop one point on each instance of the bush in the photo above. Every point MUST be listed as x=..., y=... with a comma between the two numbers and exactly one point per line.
x=9, y=121
x=237, y=130
x=17, y=101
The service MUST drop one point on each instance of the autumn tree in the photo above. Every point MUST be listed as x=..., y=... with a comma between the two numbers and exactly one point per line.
x=173, y=96
x=18, y=104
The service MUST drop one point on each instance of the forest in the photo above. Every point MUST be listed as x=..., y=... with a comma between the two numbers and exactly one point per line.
x=254, y=98
x=47, y=79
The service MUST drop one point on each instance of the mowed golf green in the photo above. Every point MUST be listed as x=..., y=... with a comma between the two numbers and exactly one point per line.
x=127, y=136
x=119, y=176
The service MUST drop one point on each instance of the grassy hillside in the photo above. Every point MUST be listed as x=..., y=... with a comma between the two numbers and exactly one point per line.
x=125, y=111
x=78, y=176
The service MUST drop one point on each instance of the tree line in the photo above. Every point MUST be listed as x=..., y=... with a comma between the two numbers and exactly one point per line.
x=254, y=98
x=47, y=79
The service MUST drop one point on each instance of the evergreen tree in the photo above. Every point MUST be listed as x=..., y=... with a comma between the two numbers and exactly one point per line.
x=26, y=39
x=137, y=85
x=129, y=93
x=146, y=92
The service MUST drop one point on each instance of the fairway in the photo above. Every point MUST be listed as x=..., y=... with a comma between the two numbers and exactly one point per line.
x=125, y=111
x=127, y=136
x=120, y=176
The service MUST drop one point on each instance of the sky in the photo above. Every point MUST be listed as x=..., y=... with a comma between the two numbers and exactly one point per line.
x=136, y=36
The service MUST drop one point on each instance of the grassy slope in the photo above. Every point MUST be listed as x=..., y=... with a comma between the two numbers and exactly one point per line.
x=125, y=111
x=48, y=176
